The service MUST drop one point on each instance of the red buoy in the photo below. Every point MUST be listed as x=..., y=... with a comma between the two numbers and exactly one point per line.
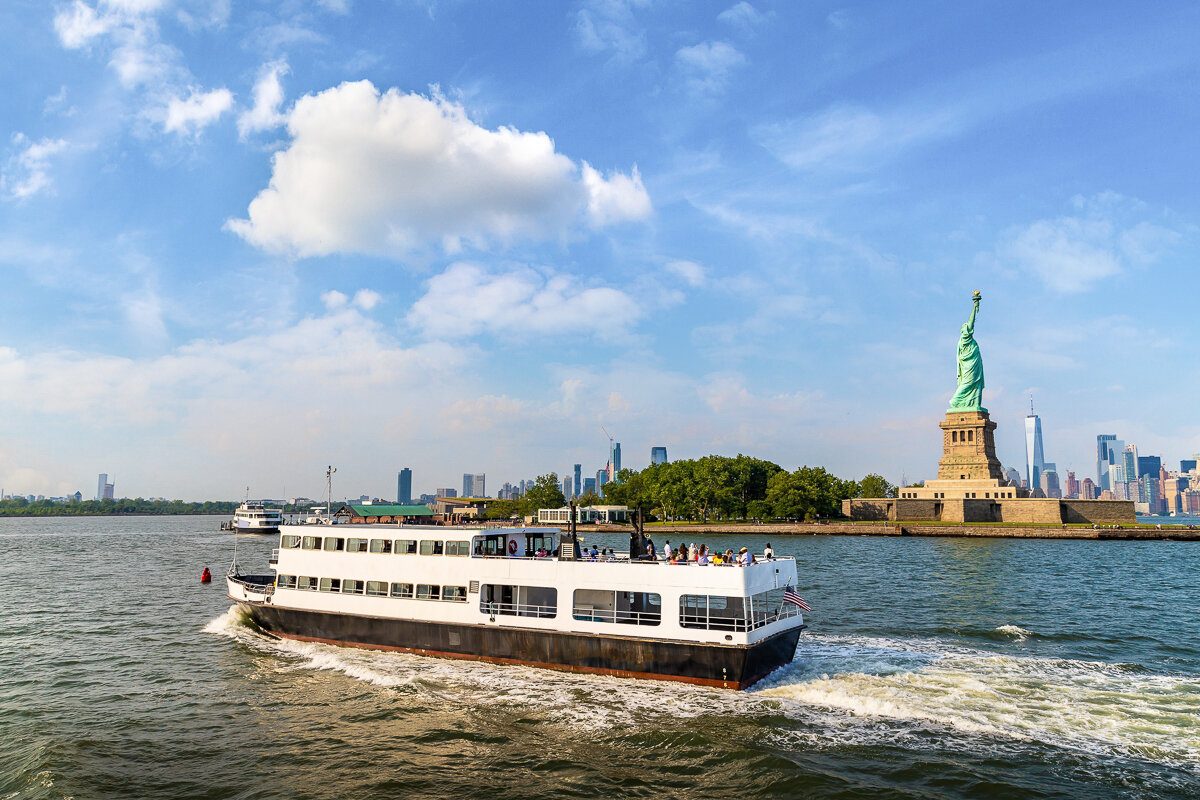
x=206, y=576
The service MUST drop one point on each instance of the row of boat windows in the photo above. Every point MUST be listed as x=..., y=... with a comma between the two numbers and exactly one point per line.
x=705, y=612
x=350, y=544
x=419, y=591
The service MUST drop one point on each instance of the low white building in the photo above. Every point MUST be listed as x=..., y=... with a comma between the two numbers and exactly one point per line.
x=616, y=515
x=562, y=516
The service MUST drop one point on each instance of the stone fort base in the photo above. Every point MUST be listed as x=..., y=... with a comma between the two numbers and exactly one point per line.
x=1035, y=510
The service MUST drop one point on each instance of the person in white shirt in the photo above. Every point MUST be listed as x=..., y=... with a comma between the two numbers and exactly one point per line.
x=668, y=551
x=692, y=552
x=744, y=557
x=768, y=552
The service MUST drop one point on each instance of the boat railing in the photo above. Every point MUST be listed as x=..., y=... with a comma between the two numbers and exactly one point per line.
x=586, y=614
x=259, y=584
x=519, y=610
x=694, y=618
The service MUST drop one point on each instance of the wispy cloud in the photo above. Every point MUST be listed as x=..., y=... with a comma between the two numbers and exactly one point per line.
x=706, y=67
x=197, y=111
x=27, y=171
x=265, y=114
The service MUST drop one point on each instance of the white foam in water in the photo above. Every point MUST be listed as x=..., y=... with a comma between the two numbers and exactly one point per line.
x=1015, y=631
x=1088, y=706
x=842, y=689
x=592, y=701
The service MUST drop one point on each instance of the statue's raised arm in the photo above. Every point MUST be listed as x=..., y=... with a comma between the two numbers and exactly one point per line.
x=969, y=394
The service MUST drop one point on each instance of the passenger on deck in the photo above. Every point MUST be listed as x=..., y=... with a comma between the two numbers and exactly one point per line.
x=729, y=557
x=769, y=552
x=693, y=553
x=595, y=553
x=718, y=560
x=541, y=552
x=668, y=551
x=745, y=557
x=702, y=559
x=651, y=552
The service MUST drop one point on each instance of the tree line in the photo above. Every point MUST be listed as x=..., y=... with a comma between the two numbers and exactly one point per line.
x=23, y=507
x=711, y=488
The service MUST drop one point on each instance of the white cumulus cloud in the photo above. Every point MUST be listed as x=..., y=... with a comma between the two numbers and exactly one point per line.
x=27, y=171
x=392, y=173
x=268, y=97
x=197, y=111
x=707, y=67
x=467, y=300
x=690, y=272
x=1073, y=253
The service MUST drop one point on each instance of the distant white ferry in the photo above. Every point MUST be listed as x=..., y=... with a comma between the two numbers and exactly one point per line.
x=523, y=596
x=254, y=517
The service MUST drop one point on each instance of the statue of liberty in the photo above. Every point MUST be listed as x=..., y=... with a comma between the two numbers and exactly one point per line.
x=969, y=396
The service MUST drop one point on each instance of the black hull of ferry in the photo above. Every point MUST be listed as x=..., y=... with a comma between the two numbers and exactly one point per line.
x=725, y=666
x=263, y=531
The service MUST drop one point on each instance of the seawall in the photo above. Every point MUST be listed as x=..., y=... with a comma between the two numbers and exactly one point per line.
x=1166, y=532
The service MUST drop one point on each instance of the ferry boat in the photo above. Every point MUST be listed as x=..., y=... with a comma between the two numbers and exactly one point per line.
x=254, y=517
x=524, y=596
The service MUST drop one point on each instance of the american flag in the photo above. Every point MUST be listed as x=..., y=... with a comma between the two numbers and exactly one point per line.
x=790, y=595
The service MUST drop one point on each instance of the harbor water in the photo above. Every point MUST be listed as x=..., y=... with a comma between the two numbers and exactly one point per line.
x=933, y=668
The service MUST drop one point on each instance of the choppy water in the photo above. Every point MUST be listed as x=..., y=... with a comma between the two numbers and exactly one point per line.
x=936, y=668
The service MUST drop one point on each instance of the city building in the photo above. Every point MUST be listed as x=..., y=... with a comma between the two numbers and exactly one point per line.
x=1187, y=465
x=404, y=487
x=446, y=493
x=1050, y=484
x=1108, y=450
x=1013, y=477
x=658, y=455
x=1088, y=490
x=1129, y=457
x=562, y=516
x=1071, y=491
x=104, y=489
x=567, y=486
x=602, y=477
x=1035, y=460
x=578, y=477
x=1149, y=465
x=589, y=486
x=616, y=460
x=474, y=485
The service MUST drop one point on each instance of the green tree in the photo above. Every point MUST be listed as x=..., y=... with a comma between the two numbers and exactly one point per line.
x=875, y=485
x=588, y=499
x=546, y=492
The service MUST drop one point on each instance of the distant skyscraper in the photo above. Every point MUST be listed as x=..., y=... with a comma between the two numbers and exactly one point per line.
x=1072, y=488
x=1035, y=461
x=578, y=480
x=601, y=479
x=104, y=489
x=475, y=485
x=447, y=493
x=404, y=487
x=1087, y=490
x=1129, y=458
x=567, y=487
x=589, y=485
x=1050, y=484
x=1187, y=465
x=616, y=460
x=1013, y=476
x=1149, y=465
x=1108, y=452
x=658, y=455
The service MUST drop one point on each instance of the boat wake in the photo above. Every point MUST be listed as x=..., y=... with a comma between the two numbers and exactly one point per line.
x=1092, y=707
x=840, y=690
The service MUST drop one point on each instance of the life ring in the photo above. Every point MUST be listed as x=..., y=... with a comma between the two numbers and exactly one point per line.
x=512, y=547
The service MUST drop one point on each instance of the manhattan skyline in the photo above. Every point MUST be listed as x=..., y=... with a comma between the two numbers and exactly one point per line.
x=241, y=243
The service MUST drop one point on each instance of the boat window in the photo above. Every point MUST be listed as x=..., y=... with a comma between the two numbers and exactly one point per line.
x=285, y=582
x=289, y=541
x=377, y=588
x=381, y=545
x=458, y=548
x=426, y=591
x=767, y=607
x=311, y=543
x=455, y=594
x=626, y=608
x=352, y=587
x=518, y=601
x=356, y=545
x=307, y=584
x=402, y=590
x=713, y=612
x=432, y=547
x=405, y=546
x=335, y=543
x=492, y=546
x=331, y=584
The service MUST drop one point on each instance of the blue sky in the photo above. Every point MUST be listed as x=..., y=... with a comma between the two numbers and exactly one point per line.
x=242, y=240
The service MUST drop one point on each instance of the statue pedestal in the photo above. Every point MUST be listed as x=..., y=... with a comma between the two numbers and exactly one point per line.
x=969, y=469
